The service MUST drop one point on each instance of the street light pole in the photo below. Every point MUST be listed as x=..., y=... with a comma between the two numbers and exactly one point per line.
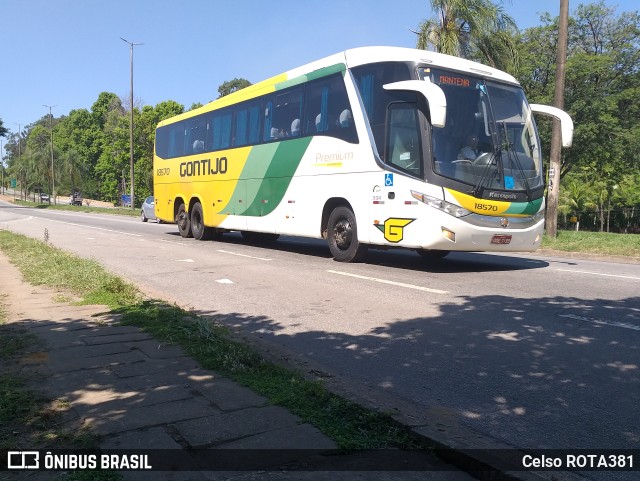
x=53, y=183
x=131, y=44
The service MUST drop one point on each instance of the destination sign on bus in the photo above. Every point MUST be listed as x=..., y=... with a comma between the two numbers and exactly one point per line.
x=452, y=80
x=442, y=77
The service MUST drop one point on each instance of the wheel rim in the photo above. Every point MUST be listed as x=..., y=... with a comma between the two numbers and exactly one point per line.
x=182, y=220
x=343, y=234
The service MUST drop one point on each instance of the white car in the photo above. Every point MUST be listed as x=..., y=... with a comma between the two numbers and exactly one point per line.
x=148, y=209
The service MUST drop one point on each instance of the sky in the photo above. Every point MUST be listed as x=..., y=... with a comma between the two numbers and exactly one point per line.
x=63, y=53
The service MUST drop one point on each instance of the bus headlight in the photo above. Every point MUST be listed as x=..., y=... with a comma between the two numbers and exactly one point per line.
x=444, y=206
x=539, y=215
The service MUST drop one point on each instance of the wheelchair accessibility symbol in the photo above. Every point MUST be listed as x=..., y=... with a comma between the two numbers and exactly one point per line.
x=388, y=180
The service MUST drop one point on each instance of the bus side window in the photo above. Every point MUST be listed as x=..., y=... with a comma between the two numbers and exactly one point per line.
x=403, y=141
x=287, y=108
x=241, y=117
x=221, y=129
x=327, y=109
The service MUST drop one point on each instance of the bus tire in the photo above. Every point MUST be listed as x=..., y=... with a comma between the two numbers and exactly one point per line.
x=183, y=221
x=432, y=255
x=198, y=229
x=342, y=236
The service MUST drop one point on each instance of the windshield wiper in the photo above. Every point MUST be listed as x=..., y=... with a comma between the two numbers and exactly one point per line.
x=496, y=158
x=514, y=158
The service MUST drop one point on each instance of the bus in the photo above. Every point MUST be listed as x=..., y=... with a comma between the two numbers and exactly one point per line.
x=364, y=148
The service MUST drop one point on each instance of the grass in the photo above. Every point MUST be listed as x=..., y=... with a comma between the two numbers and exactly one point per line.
x=209, y=342
x=42, y=264
x=601, y=243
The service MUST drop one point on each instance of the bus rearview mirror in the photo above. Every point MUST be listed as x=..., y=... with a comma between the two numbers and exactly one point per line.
x=431, y=92
x=566, y=124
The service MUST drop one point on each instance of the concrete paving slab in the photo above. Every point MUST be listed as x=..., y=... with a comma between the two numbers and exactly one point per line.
x=290, y=438
x=159, y=379
x=91, y=379
x=121, y=419
x=154, y=438
x=180, y=366
x=115, y=338
x=156, y=349
x=228, y=395
x=229, y=426
x=84, y=352
x=69, y=365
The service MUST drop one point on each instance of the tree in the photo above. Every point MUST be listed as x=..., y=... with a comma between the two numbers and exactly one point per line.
x=146, y=129
x=3, y=130
x=601, y=91
x=473, y=29
x=556, y=140
x=231, y=86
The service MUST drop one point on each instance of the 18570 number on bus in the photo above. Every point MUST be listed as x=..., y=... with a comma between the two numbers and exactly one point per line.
x=486, y=207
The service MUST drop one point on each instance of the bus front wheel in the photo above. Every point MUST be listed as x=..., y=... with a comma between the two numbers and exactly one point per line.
x=342, y=236
x=198, y=229
x=183, y=221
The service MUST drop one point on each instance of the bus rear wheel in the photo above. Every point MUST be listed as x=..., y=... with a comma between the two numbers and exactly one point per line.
x=183, y=221
x=198, y=229
x=342, y=236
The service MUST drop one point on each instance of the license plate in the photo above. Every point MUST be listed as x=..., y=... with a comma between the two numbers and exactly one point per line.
x=501, y=239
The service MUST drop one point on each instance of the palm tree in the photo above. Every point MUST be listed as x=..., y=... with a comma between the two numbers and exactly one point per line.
x=576, y=199
x=474, y=29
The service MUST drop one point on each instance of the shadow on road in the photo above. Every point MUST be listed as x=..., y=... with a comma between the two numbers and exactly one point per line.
x=555, y=372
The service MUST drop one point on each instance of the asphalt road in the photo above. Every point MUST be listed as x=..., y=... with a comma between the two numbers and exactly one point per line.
x=527, y=350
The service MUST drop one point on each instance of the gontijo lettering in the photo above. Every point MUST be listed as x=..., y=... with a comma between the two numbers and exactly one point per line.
x=195, y=168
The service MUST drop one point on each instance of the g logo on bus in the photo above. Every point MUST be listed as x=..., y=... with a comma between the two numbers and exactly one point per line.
x=504, y=222
x=393, y=228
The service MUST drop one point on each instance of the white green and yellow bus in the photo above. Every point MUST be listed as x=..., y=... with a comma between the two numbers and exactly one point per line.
x=363, y=148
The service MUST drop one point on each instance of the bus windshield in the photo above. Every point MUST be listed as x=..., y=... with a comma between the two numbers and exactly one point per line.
x=490, y=140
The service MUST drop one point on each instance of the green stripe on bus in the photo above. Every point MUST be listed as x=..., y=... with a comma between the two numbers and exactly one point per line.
x=254, y=170
x=277, y=177
x=524, y=208
x=321, y=72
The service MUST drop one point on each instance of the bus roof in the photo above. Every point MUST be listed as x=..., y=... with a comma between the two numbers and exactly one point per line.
x=346, y=59
x=365, y=55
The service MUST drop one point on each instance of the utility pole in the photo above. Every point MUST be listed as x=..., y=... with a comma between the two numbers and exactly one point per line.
x=2, y=165
x=131, y=44
x=19, y=162
x=555, y=164
x=53, y=182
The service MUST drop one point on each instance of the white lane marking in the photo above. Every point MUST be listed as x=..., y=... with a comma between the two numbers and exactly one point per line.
x=244, y=255
x=171, y=242
x=17, y=220
x=95, y=228
x=224, y=281
x=185, y=260
x=393, y=283
x=599, y=274
x=601, y=322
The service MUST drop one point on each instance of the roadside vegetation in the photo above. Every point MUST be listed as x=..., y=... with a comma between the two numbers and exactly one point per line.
x=601, y=243
x=208, y=341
